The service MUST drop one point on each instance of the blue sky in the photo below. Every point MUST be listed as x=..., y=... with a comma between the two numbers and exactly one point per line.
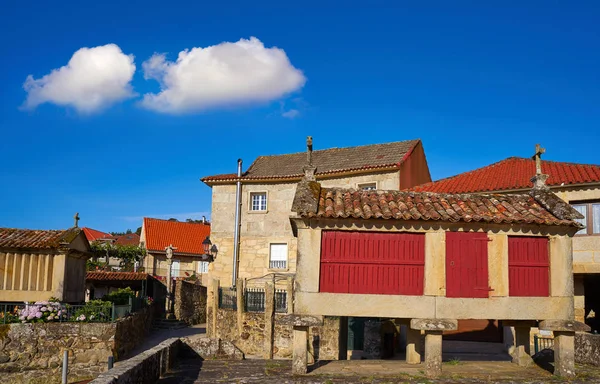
x=476, y=82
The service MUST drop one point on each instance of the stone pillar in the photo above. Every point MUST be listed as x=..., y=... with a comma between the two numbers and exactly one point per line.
x=214, y=306
x=579, y=299
x=269, y=318
x=413, y=346
x=290, y=294
x=433, y=353
x=169, y=301
x=239, y=287
x=435, y=264
x=372, y=339
x=300, y=351
x=564, y=354
x=522, y=339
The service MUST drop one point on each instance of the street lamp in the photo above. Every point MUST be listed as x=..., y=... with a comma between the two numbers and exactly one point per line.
x=210, y=250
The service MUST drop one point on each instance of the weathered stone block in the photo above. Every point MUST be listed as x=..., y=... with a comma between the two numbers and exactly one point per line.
x=563, y=326
x=434, y=324
x=300, y=320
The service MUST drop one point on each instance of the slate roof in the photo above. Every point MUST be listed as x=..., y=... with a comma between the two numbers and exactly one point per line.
x=403, y=205
x=186, y=237
x=116, y=276
x=92, y=234
x=327, y=161
x=513, y=173
x=36, y=238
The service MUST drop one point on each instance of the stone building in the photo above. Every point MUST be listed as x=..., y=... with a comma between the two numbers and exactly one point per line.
x=427, y=260
x=186, y=239
x=39, y=264
x=577, y=184
x=266, y=247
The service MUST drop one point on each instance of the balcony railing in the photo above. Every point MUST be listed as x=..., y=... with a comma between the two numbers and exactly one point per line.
x=278, y=264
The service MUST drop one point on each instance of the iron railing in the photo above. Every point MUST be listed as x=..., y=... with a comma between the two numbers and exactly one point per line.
x=254, y=300
x=227, y=298
x=280, y=301
x=278, y=264
x=541, y=342
x=101, y=313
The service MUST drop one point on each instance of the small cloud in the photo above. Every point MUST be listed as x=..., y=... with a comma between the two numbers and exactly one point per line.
x=179, y=216
x=225, y=74
x=291, y=114
x=94, y=79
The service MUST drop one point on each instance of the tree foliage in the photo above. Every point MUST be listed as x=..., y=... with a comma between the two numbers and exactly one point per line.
x=127, y=254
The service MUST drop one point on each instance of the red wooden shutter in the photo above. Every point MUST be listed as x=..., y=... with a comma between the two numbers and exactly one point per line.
x=528, y=266
x=372, y=263
x=467, y=264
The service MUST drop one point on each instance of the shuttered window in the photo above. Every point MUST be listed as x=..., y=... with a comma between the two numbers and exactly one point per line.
x=467, y=264
x=372, y=263
x=528, y=266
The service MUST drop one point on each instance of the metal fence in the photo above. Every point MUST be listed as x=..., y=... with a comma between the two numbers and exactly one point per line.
x=254, y=300
x=228, y=298
x=541, y=342
x=100, y=313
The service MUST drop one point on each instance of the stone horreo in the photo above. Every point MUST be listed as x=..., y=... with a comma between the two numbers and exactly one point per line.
x=331, y=237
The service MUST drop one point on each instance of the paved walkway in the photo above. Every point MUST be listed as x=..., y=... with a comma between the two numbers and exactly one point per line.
x=362, y=371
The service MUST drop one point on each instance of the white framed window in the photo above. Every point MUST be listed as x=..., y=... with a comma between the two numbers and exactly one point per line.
x=203, y=267
x=278, y=254
x=368, y=186
x=591, y=217
x=258, y=201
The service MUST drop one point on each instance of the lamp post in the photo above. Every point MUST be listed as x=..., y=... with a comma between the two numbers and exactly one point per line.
x=210, y=250
x=169, y=302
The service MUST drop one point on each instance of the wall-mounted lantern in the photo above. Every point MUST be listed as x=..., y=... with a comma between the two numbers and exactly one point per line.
x=210, y=250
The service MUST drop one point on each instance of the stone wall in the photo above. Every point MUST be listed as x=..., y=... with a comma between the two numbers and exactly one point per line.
x=190, y=302
x=323, y=340
x=147, y=367
x=29, y=352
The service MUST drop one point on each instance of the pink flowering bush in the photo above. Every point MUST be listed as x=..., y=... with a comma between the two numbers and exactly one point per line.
x=42, y=311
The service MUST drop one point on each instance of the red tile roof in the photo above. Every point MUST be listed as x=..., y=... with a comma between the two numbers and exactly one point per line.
x=399, y=205
x=327, y=161
x=127, y=239
x=513, y=173
x=92, y=234
x=186, y=237
x=34, y=238
x=116, y=276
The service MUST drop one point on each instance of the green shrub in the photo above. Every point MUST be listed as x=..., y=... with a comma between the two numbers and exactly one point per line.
x=120, y=296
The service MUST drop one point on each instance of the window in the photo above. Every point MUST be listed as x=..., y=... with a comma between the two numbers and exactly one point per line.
x=278, y=256
x=528, y=266
x=591, y=220
x=203, y=267
x=367, y=186
x=258, y=201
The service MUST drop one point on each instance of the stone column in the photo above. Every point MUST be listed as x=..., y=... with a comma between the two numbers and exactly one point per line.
x=521, y=354
x=169, y=301
x=433, y=353
x=290, y=294
x=240, y=304
x=269, y=318
x=579, y=298
x=564, y=354
x=372, y=339
x=300, y=351
x=413, y=346
x=214, y=307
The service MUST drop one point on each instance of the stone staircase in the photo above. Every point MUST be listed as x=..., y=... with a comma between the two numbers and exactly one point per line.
x=162, y=323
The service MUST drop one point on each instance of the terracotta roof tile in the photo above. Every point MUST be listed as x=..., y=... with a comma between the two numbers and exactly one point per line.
x=93, y=235
x=116, y=276
x=403, y=205
x=327, y=161
x=127, y=239
x=186, y=237
x=513, y=173
x=33, y=238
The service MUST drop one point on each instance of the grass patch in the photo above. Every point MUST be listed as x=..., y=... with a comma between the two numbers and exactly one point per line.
x=453, y=361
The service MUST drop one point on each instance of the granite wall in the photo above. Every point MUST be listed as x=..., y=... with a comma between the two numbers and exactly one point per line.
x=190, y=302
x=587, y=349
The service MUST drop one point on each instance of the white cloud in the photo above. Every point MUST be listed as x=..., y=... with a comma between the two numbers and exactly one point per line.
x=220, y=75
x=291, y=114
x=93, y=79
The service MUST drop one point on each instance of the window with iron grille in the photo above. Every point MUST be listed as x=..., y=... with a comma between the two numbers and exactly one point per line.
x=254, y=300
x=281, y=301
x=258, y=201
x=227, y=298
x=278, y=254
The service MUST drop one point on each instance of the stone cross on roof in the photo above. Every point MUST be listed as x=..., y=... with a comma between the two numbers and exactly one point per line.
x=309, y=169
x=539, y=151
x=309, y=149
x=76, y=217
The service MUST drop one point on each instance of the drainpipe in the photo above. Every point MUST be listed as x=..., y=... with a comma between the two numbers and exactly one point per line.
x=238, y=224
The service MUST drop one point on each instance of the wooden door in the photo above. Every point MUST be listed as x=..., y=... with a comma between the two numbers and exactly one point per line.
x=467, y=264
